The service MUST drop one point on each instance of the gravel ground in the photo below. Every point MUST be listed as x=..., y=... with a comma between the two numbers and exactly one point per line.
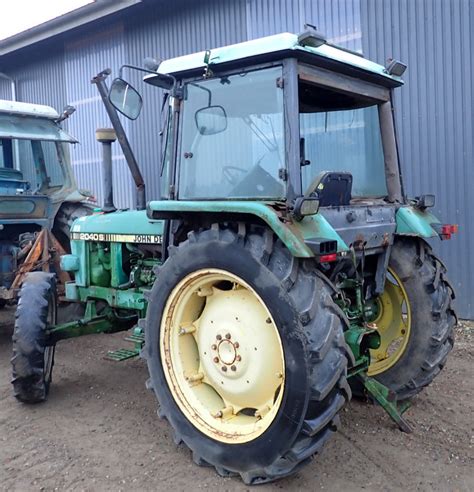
x=99, y=431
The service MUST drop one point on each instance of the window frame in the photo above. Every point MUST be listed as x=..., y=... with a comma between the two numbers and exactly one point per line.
x=374, y=94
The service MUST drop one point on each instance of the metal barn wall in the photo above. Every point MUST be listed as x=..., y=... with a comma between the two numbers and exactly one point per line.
x=434, y=112
x=84, y=58
x=434, y=109
x=167, y=31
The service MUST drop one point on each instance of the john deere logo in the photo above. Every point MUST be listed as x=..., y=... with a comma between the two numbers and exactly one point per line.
x=117, y=238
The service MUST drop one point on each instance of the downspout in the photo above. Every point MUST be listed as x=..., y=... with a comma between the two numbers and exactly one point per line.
x=12, y=82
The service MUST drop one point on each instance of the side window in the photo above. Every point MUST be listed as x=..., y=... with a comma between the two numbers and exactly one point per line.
x=27, y=163
x=6, y=153
x=232, y=143
x=53, y=157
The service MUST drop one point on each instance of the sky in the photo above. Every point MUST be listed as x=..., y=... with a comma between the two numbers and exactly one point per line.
x=19, y=15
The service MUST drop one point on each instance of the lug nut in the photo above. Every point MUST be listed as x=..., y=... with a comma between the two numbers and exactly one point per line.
x=233, y=368
x=227, y=335
x=224, y=368
x=236, y=345
x=238, y=358
x=214, y=346
x=219, y=337
x=216, y=359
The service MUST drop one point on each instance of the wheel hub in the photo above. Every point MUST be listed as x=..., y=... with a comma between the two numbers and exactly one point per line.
x=227, y=353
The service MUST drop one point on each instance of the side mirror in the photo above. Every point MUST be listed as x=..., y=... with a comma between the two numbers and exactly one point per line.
x=211, y=120
x=125, y=99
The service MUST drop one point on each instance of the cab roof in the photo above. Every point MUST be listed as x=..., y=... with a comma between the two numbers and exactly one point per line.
x=28, y=109
x=276, y=47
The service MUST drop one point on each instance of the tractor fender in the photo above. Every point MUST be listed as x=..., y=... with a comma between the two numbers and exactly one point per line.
x=293, y=234
x=415, y=222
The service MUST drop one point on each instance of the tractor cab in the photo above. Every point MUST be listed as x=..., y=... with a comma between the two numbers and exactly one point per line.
x=262, y=120
x=35, y=172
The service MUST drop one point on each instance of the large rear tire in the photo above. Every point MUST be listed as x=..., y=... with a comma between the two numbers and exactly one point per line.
x=416, y=320
x=222, y=275
x=33, y=357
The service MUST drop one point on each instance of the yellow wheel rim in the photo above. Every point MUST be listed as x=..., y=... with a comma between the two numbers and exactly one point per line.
x=222, y=356
x=393, y=323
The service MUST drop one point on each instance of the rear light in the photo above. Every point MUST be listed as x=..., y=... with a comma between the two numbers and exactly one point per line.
x=446, y=230
x=327, y=258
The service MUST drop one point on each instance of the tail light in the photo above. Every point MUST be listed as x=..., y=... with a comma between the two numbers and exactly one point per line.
x=445, y=231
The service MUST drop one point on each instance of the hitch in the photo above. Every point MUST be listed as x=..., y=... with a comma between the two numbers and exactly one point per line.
x=387, y=399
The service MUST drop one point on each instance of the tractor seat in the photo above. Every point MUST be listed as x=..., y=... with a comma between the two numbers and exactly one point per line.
x=333, y=189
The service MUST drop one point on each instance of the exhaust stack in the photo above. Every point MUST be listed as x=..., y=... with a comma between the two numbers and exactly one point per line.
x=106, y=136
x=99, y=81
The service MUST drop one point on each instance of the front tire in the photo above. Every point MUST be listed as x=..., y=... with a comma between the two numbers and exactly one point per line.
x=308, y=327
x=33, y=357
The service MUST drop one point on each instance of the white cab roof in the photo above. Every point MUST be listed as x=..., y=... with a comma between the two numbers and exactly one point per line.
x=28, y=109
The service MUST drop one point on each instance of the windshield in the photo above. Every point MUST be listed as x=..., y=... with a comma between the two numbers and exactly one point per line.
x=32, y=165
x=341, y=135
x=233, y=139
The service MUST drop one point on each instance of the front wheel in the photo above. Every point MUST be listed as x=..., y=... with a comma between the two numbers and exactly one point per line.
x=33, y=357
x=415, y=320
x=246, y=353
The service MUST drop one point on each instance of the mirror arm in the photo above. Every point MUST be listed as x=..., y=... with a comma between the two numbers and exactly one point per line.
x=134, y=67
x=175, y=91
x=99, y=81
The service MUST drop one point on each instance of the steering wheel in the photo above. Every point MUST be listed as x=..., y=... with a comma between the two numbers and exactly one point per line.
x=231, y=173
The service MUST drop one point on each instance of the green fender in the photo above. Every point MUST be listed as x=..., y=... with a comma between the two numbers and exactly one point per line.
x=414, y=222
x=292, y=233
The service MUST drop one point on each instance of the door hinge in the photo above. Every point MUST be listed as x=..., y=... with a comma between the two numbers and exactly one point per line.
x=280, y=82
x=283, y=174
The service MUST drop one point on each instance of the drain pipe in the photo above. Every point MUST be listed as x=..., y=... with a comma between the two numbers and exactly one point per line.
x=12, y=82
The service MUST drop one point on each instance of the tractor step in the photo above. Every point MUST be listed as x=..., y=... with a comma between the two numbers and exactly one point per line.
x=137, y=338
x=122, y=354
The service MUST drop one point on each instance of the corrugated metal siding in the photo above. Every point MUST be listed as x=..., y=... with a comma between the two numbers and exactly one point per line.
x=167, y=32
x=338, y=19
x=42, y=82
x=434, y=110
x=434, y=113
x=85, y=58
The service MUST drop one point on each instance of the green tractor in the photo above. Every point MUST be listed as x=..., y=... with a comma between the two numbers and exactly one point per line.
x=39, y=198
x=282, y=269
